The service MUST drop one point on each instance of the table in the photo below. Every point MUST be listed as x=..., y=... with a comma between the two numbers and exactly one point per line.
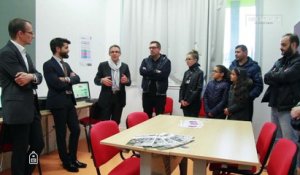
x=226, y=141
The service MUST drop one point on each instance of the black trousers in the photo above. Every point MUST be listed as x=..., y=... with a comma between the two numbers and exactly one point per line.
x=250, y=110
x=152, y=101
x=22, y=136
x=64, y=117
x=192, y=110
x=114, y=111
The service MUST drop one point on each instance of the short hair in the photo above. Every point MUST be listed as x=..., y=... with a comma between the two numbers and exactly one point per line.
x=293, y=38
x=15, y=26
x=194, y=54
x=117, y=46
x=58, y=42
x=243, y=47
x=157, y=43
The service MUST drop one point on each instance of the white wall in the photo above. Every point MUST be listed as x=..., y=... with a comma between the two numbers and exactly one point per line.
x=280, y=18
x=69, y=19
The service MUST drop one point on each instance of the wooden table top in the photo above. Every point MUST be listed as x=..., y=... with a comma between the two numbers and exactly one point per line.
x=217, y=140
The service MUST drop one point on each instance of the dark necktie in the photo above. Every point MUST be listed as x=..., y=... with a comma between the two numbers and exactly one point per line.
x=64, y=68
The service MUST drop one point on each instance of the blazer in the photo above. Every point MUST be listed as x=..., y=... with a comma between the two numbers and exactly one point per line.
x=17, y=101
x=106, y=92
x=57, y=97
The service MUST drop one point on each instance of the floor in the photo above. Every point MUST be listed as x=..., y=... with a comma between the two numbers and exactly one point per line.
x=51, y=164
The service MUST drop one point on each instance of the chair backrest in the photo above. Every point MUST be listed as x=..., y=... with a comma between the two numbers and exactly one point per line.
x=283, y=158
x=202, y=112
x=265, y=142
x=169, y=106
x=135, y=118
x=101, y=130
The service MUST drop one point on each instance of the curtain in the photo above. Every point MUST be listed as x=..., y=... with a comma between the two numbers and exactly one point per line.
x=179, y=26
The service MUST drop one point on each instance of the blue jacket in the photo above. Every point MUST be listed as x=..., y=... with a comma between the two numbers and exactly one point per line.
x=254, y=73
x=215, y=97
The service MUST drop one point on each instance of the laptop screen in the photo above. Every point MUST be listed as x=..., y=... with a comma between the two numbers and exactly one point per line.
x=81, y=91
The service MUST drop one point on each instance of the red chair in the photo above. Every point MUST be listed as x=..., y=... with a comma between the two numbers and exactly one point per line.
x=283, y=158
x=202, y=112
x=135, y=118
x=169, y=106
x=103, y=153
x=87, y=121
x=264, y=145
x=5, y=146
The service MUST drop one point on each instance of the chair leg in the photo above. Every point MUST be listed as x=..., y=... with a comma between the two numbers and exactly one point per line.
x=39, y=168
x=98, y=171
x=87, y=138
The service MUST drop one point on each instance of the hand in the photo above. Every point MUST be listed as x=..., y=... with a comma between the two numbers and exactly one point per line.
x=63, y=79
x=295, y=112
x=210, y=114
x=72, y=74
x=184, y=103
x=106, y=81
x=124, y=79
x=226, y=111
x=23, y=78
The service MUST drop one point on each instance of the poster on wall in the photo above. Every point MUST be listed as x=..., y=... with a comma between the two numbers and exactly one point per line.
x=85, y=51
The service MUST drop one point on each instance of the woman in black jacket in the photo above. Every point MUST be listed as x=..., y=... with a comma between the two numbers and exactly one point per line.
x=191, y=86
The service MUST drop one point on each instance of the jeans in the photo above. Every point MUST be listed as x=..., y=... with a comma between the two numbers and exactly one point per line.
x=284, y=129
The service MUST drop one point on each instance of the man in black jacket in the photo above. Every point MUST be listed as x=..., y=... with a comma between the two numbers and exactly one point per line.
x=113, y=75
x=284, y=84
x=61, y=101
x=155, y=70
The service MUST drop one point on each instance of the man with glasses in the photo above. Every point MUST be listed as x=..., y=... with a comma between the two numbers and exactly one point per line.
x=113, y=75
x=254, y=73
x=19, y=80
x=155, y=70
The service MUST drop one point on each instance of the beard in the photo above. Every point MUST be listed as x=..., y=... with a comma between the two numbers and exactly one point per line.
x=288, y=52
x=64, y=54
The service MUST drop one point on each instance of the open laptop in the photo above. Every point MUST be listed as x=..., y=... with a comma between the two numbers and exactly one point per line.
x=82, y=92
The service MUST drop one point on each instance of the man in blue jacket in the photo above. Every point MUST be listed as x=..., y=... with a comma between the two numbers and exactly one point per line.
x=155, y=70
x=254, y=73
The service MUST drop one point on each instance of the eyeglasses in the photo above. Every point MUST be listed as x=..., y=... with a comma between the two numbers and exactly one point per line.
x=31, y=33
x=153, y=47
x=114, y=52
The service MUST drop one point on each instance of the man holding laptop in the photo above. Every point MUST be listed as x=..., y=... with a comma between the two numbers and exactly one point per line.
x=60, y=100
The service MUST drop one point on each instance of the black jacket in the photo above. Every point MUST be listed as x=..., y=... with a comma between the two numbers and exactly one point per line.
x=192, y=85
x=283, y=79
x=156, y=72
x=105, y=97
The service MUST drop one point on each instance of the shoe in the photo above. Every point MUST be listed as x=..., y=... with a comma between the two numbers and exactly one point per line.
x=79, y=164
x=71, y=167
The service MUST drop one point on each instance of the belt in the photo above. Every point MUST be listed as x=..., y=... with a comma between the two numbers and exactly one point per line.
x=115, y=92
x=69, y=92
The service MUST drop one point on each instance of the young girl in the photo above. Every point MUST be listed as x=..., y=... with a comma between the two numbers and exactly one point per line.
x=216, y=93
x=191, y=86
x=238, y=96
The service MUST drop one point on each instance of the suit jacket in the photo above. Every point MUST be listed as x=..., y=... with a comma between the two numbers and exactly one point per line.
x=106, y=92
x=57, y=97
x=17, y=101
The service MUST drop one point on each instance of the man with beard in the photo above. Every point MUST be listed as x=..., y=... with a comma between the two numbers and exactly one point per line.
x=253, y=71
x=61, y=101
x=283, y=92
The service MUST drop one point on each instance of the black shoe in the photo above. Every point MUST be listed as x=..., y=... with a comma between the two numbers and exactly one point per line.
x=79, y=164
x=71, y=167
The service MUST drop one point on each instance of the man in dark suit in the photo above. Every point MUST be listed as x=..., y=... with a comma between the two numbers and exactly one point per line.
x=61, y=101
x=113, y=76
x=19, y=80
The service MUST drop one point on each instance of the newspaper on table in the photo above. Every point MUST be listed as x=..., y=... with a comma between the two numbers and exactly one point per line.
x=161, y=141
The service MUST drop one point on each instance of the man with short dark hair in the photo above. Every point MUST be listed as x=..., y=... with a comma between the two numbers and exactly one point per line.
x=19, y=80
x=283, y=92
x=242, y=60
x=61, y=101
x=155, y=70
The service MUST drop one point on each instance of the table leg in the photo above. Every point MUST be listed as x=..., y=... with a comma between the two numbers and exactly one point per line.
x=199, y=167
x=146, y=163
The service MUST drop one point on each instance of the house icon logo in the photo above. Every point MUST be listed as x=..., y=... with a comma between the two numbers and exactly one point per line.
x=33, y=158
